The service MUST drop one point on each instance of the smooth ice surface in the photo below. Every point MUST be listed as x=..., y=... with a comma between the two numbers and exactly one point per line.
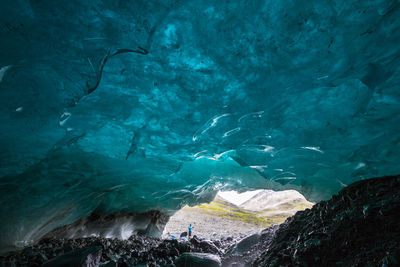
x=132, y=106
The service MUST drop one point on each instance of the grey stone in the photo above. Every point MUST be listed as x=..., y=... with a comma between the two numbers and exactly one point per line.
x=198, y=260
x=85, y=257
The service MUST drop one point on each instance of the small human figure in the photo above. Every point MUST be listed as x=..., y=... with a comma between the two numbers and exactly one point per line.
x=172, y=236
x=190, y=230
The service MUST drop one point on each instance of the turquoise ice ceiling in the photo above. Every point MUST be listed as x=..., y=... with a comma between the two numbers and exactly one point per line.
x=130, y=106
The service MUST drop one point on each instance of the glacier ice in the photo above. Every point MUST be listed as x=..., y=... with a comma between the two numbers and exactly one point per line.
x=237, y=95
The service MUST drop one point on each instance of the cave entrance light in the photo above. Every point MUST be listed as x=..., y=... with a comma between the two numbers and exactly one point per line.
x=237, y=214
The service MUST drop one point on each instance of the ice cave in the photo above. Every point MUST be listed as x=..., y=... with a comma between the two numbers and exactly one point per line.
x=116, y=114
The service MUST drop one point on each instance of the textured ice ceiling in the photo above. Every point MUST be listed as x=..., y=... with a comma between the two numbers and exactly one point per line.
x=130, y=106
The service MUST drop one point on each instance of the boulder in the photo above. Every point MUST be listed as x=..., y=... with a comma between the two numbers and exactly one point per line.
x=85, y=257
x=245, y=244
x=192, y=259
x=184, y=234
x=183, y=246
x=357, y=227
x=209, y=247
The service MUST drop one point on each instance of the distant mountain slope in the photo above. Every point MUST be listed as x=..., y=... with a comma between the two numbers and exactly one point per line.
x=221, y=217
x=223, y=208
x=224, y=202
x=281, y=200
x=266, y=208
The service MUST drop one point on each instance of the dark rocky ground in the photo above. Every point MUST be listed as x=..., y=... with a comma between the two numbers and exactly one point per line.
x=113, y=252
x=358, y=227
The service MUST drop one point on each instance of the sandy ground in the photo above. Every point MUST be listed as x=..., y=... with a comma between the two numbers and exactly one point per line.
x=207, y=225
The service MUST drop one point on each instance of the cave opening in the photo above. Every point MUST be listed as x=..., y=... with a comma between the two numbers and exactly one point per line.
x=233, y=214
x=115, y=114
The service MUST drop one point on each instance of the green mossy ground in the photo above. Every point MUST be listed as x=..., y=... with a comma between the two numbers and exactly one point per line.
x=264, y=218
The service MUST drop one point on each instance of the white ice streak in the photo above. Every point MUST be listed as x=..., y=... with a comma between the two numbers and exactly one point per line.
x=200, y=152
x=360, y=165
x=224, y=154
x=260, y=148
x=284, y=176
x=64, y=117
x=215, y=157
x=259, y=168
x=3, y=71
x=317, y=149
x=233, y=131
x=208, y=125
x=323, y=77
x=258, y=114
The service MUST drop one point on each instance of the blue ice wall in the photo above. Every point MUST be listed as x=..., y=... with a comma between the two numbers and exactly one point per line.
x=140, y=105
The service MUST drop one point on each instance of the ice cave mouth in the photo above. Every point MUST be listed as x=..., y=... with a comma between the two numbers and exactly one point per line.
x=236, y=214
x=110, y=108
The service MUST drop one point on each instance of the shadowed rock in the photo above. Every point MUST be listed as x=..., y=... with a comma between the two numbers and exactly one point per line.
x=198, y=260
x=85, y=257
x=357, y=227
x=245, y=244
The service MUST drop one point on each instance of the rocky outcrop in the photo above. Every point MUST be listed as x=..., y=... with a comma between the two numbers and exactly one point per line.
x=245, y=244
x=85, y=257
x=198, y=260
x=114, y=252
x=357, y=227
x=244, y=251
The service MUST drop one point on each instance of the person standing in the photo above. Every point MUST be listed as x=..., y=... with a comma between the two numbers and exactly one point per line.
x=190, y=230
